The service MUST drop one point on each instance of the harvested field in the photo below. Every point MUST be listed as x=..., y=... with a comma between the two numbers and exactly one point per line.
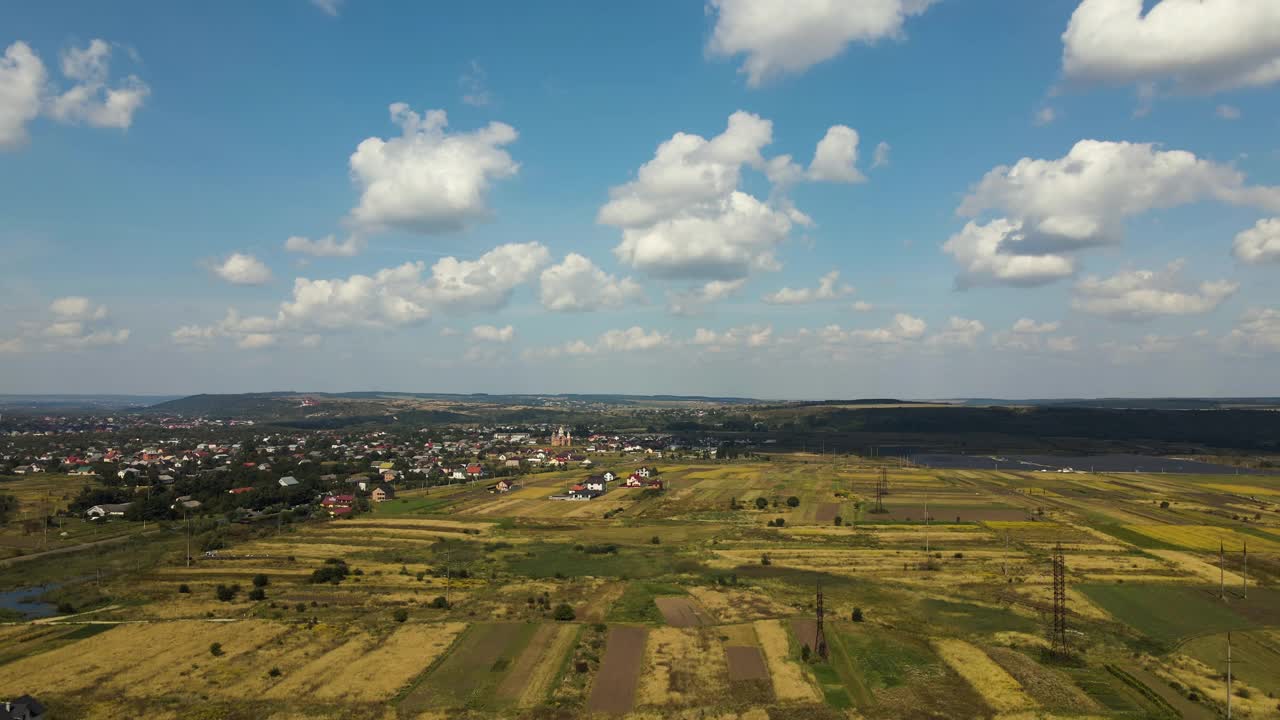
x=997, y=687
x=533, y=672
x=1048, y=687
x=469, y=674
x=682, y=666
x=614, y=691
x=746, y=663
x=731, y=606
x=789, y=679
x=682, y=612
x=827, y=512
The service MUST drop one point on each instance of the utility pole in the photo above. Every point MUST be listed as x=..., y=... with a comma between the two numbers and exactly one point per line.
x=1004, y=559
x=1222, y=572
x=187, y=521
x=926, y=527
x=882, y=488
x=1059, y=632
x=1228, y=676
x=1244, y=579
x=820, y=634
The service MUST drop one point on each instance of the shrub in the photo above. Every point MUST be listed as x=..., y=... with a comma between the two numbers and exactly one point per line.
x=65, y=608
x=805, y=652
x=564, y=612
x=274, y=672
x=333, y=571
x=857, y=615
x=793, y=501
x=257, y=594
x=958, y=556
x=764, y=559
x=839, y=520
x=226, y=593
x=1164, y=504
x=440, y=603
x=780, y=522
x=655, y=540
x=184, y=588
x=261, y=580
x=215, y=649
x=761, y=503
x=400, y=615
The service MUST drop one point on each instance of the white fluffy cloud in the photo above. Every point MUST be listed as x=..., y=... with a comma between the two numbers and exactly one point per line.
x=752, y=336
x=577, y=284
x=22, y=79
x=429, y=180
x=960, y=332
x=90, y=100
x=631, y=340
x=1054, y=207
x=25, y=92
x=256, y=341
x=1257, y=331
x=829, y=288
x=693, y=300
x=862, y=306
x=1144, y=294
x=1027, y=325
x=1260, y=243
x=76, y=323
x=248, y=333
x=327, y=246
x=242, y=269
x=903, y=328
x=1198, y=46
x=493, y=334
x=1027, y=335
x=836, y=157
x=988, y=255
x=789, y=36
x=684, y=215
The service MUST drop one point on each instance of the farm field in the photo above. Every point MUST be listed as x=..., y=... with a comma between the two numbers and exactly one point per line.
x=696, y=601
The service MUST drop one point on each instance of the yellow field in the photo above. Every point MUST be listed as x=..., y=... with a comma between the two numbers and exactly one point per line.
x=790, y=681
x=997, y=687
x=1246, y=489
x=682, y=666
x=1204, y=537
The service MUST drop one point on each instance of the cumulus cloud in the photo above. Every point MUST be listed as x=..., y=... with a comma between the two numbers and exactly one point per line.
x=988, y=255
x=631, y=340
x=25, y=92
x=862, y=306
x=1052, y=208
x=1259, y=244
x=1027, y=335
x=836, y=157
x=782, y=37
x=22, y=79
x=242, y=269
x=327, y=246
x=577, y=284
x=1196, y=46
x=960, y=332
x=90, y=100
x=752, y=336
x=256, y=341
x=693, y=300
x=829, y=288
x=903, y=328
x=76, y=307
x=880, y=158
x=1257, y=331
x=1144, y=294
x=493, y=334
x=328, y=7
x=429, y=180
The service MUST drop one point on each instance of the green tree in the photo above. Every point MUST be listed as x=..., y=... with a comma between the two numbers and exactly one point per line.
x=400, y=615
x=257, y=594
x=215, y=649
x=564, y=612
x=793, y=501
x=857, y=615
x=261, y=580
x=761, y=503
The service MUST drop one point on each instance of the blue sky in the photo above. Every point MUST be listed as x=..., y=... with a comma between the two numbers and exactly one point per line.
x=155, y=160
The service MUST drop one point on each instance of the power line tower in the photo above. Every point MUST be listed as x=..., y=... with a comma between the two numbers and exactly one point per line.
x=882, y=489
x=1059, y=639
x=820, y=633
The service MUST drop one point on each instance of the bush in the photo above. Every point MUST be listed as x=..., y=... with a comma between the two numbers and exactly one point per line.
x=184, y=588
x=805, y=652
x=215, y=649
x=257, y=594
x=793, y=501
x=400, y=615
x=761, y=503
x=274, y=672
x=857, y=615
x=261, y=580
x=839, y=521
x=65, y=608
x=333, y=571
x=655, y=540
x=564, y=612
x=764, y=559
x=226, y=593
x=440, y=603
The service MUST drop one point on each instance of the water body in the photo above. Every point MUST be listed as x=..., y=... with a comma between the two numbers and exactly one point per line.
x=26, y=600
x=1081, y=463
